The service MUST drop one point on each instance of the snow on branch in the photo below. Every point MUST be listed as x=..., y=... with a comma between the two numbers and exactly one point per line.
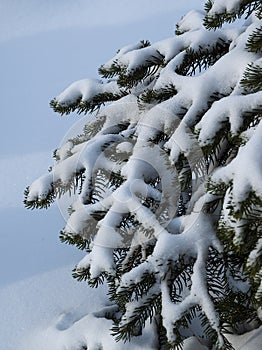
x=86, y=95
x=245, y=170
x=220, y=11
x=162, y=187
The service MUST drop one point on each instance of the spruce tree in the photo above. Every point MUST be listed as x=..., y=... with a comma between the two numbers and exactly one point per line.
x=166, y=180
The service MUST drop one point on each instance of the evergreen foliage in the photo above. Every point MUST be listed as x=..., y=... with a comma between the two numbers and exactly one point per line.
x=166, y=180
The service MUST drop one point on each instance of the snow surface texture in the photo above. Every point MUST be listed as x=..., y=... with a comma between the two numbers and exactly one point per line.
x=45, y=312
x=52, y=300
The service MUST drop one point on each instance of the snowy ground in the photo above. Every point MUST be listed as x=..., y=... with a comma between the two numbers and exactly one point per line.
x=42, y=51
x=29, y=306
x=47, y=312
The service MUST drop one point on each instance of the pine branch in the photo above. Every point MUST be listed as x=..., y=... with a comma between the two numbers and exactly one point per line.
x=77, y=240
x=83, y=107
x=141, y=73
x=163, y=342
x=184, y=323
x=134, y=291
x=214, y=21
x=252, y=79
x=115, y=69
x=195, y=61
x=43, y=203
x=213, y=336
x=135, y=322
x=156, y=96
x=136, y=141
x=254, y=42
x=83, y=274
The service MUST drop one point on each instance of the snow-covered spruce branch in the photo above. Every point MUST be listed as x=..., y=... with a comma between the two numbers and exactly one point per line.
x=165, y=180
x=221, y=11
